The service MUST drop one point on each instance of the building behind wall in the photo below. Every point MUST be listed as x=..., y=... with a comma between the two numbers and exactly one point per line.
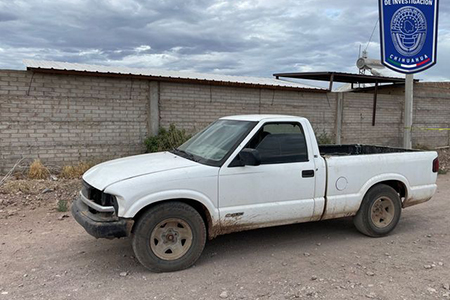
x=65, y=116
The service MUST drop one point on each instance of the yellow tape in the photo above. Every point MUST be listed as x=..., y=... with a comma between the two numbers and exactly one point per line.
x=423, y=128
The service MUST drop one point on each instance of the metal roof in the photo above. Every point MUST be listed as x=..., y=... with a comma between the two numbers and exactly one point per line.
x=341, y=77
x=165, y=75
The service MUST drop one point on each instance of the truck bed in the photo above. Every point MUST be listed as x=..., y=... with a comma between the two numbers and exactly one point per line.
x=357, y=149
x=353, y=169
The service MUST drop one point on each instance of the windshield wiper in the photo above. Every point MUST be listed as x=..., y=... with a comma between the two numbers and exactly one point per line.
x=185, y=154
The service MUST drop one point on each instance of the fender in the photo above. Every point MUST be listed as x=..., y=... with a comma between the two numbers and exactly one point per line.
x=172, y=195
x=348, y=205
x=385, y=177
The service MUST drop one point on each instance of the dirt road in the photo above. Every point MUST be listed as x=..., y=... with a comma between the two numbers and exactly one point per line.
x=42, y=257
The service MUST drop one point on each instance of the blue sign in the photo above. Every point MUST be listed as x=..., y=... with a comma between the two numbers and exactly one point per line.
x=408, y=34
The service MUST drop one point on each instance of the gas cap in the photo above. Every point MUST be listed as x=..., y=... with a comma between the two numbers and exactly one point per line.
x=341, y=183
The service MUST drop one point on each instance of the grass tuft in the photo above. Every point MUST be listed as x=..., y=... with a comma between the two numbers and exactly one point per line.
x=22, y=186
x=76, y=171
x=62, y=205
x=38, y=170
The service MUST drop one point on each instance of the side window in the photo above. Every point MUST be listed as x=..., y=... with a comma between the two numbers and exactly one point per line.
x=280, y=143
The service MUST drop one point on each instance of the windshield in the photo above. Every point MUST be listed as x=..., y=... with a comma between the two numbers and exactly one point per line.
x=215, y=142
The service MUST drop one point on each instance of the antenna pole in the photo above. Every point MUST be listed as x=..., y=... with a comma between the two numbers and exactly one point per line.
x=359, y=56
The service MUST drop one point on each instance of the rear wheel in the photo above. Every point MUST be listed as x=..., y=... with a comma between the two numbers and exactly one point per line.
x=169, y=237
x=379, y=212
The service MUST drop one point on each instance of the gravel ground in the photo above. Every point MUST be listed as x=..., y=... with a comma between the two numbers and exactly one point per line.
x=46, y=255
x=17, y=196
x=444, y=159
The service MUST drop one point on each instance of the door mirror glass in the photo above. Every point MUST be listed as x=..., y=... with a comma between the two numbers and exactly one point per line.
x=250, y=157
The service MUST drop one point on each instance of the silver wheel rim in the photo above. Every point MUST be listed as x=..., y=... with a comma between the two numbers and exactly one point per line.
x=171, y=239
x=382, y=212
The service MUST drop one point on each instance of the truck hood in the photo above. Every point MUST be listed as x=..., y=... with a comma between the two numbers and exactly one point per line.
x=107, y=173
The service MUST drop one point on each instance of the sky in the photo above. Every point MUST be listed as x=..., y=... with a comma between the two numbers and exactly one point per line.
x=253, y=38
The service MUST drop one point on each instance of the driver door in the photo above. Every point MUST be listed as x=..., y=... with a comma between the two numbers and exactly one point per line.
x=280, y=190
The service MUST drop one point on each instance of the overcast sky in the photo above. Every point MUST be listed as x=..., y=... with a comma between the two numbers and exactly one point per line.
x=255, y=37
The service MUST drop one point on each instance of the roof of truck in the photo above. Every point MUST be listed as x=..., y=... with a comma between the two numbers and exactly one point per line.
x=257, y=118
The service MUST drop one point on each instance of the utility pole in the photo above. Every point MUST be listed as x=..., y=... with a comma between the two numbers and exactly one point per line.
x=409, y=98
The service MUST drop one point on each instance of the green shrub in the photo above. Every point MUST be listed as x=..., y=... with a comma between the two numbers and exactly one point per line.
x=62, y=205
x=166, y=139
x=323, y=138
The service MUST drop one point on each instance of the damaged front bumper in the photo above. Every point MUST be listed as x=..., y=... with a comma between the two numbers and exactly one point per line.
x=100, y=224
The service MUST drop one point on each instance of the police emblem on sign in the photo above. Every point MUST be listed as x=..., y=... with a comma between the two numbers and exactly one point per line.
x=408, y=34
x=409, y=30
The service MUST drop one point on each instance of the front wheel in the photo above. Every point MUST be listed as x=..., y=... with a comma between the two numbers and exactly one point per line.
x=379, y=212
x=169, y=237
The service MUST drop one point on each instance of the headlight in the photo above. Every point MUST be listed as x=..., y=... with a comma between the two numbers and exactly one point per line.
x=109, y=200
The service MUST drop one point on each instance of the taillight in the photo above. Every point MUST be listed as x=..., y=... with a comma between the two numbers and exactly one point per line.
x=436, y=165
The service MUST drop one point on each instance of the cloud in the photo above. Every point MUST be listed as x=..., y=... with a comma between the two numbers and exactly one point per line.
x=250, y=37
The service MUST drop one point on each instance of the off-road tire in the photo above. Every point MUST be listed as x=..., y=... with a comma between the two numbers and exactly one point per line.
x=145, y=225
x=363, y=219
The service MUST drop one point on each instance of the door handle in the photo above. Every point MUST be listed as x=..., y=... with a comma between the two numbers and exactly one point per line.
x=308, y=173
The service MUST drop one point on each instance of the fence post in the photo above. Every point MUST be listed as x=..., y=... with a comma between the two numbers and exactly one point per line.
x=339, y=117
x=153, y=115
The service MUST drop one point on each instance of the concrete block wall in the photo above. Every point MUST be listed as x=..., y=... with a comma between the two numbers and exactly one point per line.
x=357, y=120
x=431, y=111
x=63, y=119
x=192, y=106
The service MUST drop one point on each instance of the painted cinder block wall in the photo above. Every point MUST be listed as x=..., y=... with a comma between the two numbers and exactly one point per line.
x=63, y=119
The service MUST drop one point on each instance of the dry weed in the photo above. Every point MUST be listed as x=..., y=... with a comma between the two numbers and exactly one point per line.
x=38, y=170
x=76, y=171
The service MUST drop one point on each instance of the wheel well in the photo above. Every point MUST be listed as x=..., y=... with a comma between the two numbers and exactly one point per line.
x=398, y=186
x=199, y=207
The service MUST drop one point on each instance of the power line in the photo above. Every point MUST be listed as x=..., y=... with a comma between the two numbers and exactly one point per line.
x=371, y=36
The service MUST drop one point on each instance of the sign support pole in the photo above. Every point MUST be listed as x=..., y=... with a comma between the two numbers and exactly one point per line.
x=409, y=98
x=408, y=36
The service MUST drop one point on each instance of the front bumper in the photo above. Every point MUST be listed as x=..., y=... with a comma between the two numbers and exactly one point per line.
x=100, y=225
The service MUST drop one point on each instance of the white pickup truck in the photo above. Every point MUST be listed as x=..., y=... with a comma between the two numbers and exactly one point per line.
x=246, y=172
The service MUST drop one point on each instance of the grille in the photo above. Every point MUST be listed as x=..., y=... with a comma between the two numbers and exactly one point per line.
x=98, y=196
x=91, y=193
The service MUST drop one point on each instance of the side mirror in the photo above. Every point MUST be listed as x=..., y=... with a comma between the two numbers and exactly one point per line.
x=250, y=157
